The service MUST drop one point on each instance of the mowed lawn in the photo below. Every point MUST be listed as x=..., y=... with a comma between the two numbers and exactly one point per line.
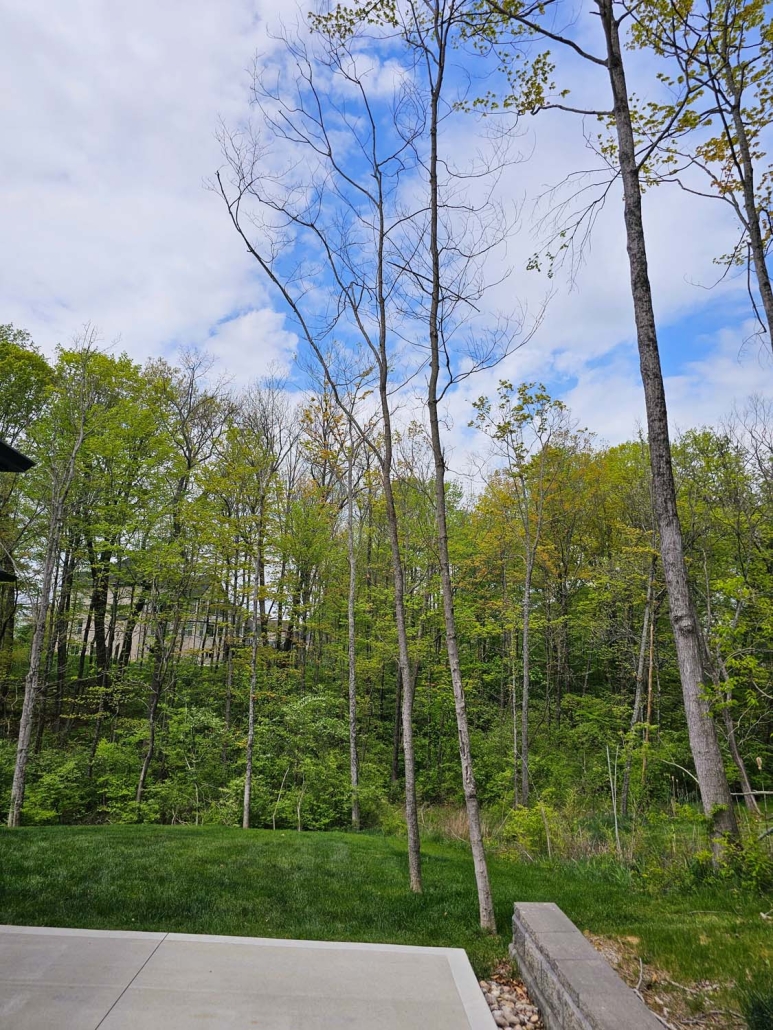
x=342, y=886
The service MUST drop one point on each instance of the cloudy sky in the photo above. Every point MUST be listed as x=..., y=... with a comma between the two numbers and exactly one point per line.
x=109, y=132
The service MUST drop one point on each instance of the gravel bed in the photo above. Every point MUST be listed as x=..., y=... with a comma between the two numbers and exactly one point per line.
x=509, y=1003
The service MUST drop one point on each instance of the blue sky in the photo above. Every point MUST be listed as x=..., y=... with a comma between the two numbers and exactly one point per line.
x=110, y=133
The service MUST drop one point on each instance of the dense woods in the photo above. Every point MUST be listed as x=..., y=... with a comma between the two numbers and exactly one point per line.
x=203, y=546
x=278, y=607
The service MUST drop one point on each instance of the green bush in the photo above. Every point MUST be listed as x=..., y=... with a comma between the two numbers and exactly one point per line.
x=58, y=789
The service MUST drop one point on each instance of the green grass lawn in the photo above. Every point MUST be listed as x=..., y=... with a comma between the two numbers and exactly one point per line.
x=340, y=886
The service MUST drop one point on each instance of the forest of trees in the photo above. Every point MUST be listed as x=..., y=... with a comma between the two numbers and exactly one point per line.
x=200, y=581
x=275, y=607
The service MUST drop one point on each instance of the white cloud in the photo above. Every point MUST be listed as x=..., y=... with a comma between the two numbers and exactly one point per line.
x=111, y=130
x=251, y=344
x=104, y=151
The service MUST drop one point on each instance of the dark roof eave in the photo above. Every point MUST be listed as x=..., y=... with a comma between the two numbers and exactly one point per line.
x=12, y=460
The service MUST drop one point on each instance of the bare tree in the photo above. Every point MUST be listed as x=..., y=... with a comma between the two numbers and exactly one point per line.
x=297, y=191
x=447, y=246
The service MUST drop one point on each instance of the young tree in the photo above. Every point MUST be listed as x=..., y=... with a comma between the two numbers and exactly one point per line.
x=522, y=428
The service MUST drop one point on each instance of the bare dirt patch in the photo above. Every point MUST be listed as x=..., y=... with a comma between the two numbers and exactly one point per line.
x=704, y=1005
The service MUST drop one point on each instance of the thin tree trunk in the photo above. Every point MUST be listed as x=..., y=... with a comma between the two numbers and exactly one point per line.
x=158, y=676
x=62, y=626
x=485, y=901
x=649, y=702
x=352, y=639
x=636, y=713
x=514, y=701
x=397, y=726
x=746, y=787
x=124, y=655
x=526, y=684
x=715, y=793
x=229, y=677
x=251, y=707
x=84, y=644
x=32, y=683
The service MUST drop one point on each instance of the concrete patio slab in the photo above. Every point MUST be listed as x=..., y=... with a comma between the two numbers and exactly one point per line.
x=87, y=979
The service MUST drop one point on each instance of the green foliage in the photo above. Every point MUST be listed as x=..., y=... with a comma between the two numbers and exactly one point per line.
x=60, y=791
x=115, y=771
x=756, y=1000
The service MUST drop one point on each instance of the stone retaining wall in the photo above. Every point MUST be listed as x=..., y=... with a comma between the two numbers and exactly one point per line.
x=575, y=988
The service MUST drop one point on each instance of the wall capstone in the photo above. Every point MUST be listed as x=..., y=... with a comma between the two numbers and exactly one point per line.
x=573, y=985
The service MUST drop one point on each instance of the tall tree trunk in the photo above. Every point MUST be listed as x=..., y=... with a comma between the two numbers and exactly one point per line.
x=60, y=488
x=7, y=622
x=158, y=677
x=514, y=705
x=84, y=644
x=32, y=683
x=715, y=793
x=229, y=680
x=526, y=684
x=136, y=609
x=411, y=807
x=62, y=627
x=262, y=571
x=352, y=639
x=485, y=902
x=397, y=726
x=256, y=630
x=636, y=712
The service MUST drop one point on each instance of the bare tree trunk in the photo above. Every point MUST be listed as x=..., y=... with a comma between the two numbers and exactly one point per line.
x=136, y=609
x=229, y=677
x=164, y=659
x=251, y=708
x=526, y=613
x=152, y=715
x=636, y=713
x=514, y=704
x=411, y=807
x=746, y=787
x=32, y=684
x=715, y=793
x=352, y=640
x=62, y=626
x=648, y=718
x=85, y=643
x=397, y=726
x=485, y=901
x=61, y=481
